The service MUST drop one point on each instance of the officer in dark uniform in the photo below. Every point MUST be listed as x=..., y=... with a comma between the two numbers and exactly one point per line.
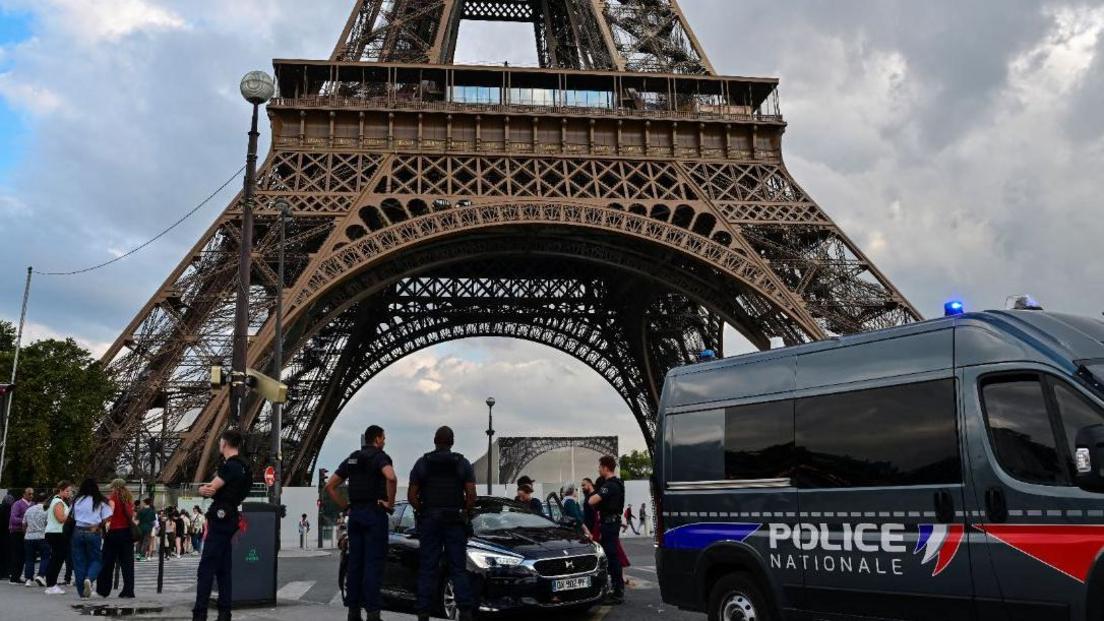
x=227, y=491
x=372, y=486
x=442, y=492
x=609, y=499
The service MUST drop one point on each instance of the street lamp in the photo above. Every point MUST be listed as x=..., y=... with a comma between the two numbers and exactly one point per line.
x=490, y=438
x=257, y=88
x=283, y=211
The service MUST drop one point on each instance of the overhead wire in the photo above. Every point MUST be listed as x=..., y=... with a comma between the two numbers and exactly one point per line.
x=153, y=239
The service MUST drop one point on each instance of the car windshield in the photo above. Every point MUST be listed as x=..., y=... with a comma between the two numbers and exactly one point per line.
x=493, y=518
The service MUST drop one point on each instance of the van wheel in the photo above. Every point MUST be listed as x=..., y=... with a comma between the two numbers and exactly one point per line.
x=736, y=597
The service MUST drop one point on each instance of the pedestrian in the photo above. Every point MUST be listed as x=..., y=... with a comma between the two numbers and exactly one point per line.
x=372, y=487
x=609, y=499
x=590, y=513
x=571, y=508
x=442, y=493
x=118, y=545
x=525, y=497
x=180, y=525
x=15, y=536
x=90, y=511
x=629, y=520
x=34, y=543
x=227, y=491
x=198, y=524
x=643, y=519
x=5, y=515
x=57, y=513
x=168, y=525
x=147, y=517
x=304, y=530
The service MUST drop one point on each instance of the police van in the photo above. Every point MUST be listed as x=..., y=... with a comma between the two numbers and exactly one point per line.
x=948, y=469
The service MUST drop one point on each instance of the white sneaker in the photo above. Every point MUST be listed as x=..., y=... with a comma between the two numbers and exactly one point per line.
x=40, y=581
x=29, y=583
x=87, y=591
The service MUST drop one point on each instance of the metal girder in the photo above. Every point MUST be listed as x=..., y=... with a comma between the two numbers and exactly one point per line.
x=625, y=233
x=514, y=454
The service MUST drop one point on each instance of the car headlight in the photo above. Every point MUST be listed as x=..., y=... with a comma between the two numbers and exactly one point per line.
x=487, y=560
x=599, y=550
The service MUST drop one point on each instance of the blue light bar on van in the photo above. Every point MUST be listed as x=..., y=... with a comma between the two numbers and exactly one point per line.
x=953, y=307
x=706, y=355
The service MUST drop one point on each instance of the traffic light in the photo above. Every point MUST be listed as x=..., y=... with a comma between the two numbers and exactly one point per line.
x=322, y=474
x=5, y=389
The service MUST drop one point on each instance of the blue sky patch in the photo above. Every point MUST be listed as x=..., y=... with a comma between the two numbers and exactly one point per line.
x=14, y=27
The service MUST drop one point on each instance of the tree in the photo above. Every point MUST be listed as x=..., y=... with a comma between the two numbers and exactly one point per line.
x=636, y=465
x=61, y=393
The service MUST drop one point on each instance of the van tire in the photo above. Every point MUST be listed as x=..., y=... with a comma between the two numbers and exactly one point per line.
x=737, y=597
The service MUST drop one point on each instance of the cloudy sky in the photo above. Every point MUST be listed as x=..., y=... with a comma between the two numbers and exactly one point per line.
x=959, y=143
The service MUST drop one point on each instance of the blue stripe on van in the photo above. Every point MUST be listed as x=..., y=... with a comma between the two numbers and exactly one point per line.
x=698, y=536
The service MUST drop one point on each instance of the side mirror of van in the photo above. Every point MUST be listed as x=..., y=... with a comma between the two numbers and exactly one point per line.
x=1089, y=458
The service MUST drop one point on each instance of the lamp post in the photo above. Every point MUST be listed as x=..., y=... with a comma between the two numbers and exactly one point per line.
x=490, y=439
x=257, y=88
x=283, y=211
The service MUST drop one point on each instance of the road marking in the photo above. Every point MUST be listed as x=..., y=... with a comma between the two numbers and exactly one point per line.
x=637, y=584
x=294, y=590
x=648, y=568
x=600, y=613
x=337, y=601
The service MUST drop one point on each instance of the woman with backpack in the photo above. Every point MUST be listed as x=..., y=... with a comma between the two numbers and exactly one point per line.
x=90, y=512
x=119, y=543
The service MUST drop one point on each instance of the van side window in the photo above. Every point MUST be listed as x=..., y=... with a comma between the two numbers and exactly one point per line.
x=696, y=444
x=1076, y=413
x=759, y=441
x=1021, y=429
x=892, y=436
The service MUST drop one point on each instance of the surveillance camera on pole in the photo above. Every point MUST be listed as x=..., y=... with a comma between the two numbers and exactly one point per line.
x=270, y=389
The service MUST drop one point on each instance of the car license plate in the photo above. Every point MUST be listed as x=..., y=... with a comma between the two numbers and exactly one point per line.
x=571, y=584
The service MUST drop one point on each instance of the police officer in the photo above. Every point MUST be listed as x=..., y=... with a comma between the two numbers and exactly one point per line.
x=609, y=499
x=442, y=492
x=227, y=491
x=372, y=486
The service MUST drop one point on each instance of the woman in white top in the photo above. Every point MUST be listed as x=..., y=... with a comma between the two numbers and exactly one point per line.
x=56, y=514
x=90, y=511
x=34, y=544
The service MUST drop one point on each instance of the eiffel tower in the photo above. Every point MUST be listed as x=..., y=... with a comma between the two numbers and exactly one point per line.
x=621, y=202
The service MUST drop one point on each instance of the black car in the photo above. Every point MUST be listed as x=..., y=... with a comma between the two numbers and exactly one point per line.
x=517, y=560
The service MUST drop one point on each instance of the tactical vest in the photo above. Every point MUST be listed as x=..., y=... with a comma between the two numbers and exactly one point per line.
x=443, y=487
x=366, y=483
x=614, y=504
x=233, y=493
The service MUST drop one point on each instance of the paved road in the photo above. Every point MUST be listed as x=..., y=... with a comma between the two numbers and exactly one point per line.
x=314, y=580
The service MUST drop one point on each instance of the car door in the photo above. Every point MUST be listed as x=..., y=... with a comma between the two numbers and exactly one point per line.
x=402, y=554
x=1043, y=535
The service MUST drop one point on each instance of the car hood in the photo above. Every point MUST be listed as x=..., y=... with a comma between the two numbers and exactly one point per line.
x=533, y=543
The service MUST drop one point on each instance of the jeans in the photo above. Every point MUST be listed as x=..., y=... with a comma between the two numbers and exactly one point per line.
x=31, y=548
x=611, y=533
x=15, y=556
x=118, y=548
x=87, y=557
x=437, y=535
x=197, y=542
x=367, y=556
x=215, y=563
x=59, y=552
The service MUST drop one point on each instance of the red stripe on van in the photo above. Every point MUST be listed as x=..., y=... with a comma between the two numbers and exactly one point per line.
x=1070, y=549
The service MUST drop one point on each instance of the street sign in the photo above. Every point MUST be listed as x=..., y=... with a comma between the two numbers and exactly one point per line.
x=270, y=476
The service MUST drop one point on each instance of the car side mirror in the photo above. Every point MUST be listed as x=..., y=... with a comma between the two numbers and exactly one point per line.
x=1088, y=458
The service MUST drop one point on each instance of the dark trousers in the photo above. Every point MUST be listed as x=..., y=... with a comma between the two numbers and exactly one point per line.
x=215, y=563
x=59, y=553
x=32, y=549
x=118, y=548
x=367, y=556
x=611, y=534
x=15, y=556
x=442, y=535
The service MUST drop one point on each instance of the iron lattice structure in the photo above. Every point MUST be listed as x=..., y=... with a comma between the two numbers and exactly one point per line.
x=621, y=204
x=514, y=454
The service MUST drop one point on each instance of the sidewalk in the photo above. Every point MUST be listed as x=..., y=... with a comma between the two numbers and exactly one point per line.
x=24, y=603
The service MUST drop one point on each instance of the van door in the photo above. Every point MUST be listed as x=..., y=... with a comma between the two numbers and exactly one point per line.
x=1043, y=535
x=881, y=493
